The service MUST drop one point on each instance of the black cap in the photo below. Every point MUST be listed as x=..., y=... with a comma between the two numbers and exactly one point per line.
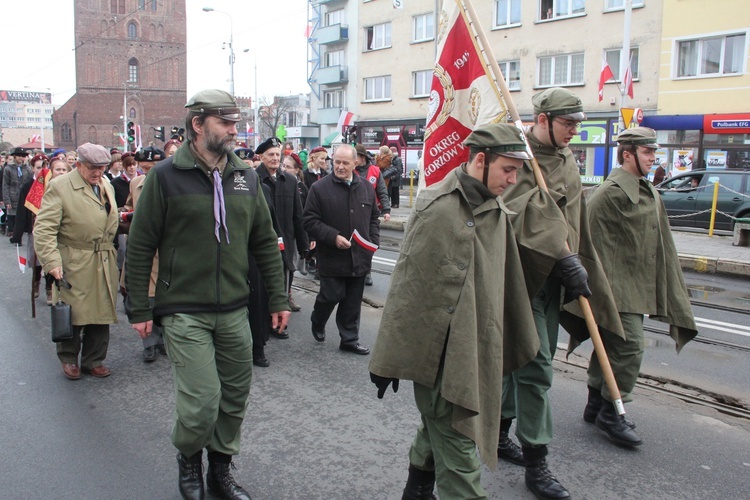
x=150, y=154
x=271, y=142
x=244, y=153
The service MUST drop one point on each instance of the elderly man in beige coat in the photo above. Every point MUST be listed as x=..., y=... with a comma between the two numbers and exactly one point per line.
x=74, y=235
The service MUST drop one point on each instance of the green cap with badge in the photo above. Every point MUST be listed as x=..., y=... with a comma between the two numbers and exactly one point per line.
x=215, y=102
x=559, y=102
x=500, y=138
x=639, y=136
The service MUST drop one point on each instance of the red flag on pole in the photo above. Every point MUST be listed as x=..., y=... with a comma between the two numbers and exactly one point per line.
x=605, y=76
x=627, y=81
x=463, y=96
x=34, y=198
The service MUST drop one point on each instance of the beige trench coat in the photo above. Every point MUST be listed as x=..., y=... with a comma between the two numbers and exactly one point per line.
x=73, y=230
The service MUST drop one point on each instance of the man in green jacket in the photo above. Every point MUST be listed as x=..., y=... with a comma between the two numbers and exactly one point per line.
x=631, y=233
x=204, y=211
x=457, y=316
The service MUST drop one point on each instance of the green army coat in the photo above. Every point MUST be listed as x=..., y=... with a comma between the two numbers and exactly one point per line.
x=74, y=230
x=543, y=242
x=458, y=291
x=631, y=233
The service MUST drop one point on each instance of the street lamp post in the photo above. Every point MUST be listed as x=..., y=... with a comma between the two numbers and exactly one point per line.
x=231, y=47
x=255, y=98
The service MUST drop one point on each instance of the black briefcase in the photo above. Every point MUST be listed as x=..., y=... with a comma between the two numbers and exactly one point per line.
x=62, y=326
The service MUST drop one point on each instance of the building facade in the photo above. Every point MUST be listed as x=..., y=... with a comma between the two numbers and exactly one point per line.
x=130, y=67
x=24, y=115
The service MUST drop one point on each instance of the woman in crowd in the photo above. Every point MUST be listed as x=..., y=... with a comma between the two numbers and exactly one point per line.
x=74, y=234
x=115, y=167
x=171, y=146
x=293, y=164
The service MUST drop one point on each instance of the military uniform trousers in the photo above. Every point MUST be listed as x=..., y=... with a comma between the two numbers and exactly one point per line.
x=212, y=359
x=439, y=447
x=91, y=341
x=625, y=356
x=525, y=390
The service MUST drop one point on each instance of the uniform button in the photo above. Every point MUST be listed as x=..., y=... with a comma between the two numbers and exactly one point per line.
x=470, y=223
x=451, y=309
x=462, y=266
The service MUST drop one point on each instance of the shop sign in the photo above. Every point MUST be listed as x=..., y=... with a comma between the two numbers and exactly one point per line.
x=737, y=123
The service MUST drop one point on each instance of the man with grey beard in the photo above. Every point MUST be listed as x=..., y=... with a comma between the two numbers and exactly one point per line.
x=204, y=211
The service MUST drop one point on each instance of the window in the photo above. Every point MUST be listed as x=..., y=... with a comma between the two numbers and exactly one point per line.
x=552, y=9
x=333, y=98
x=512, y=73
x=613, y=59
x=334, y=17
x=378, y=36
x=153, y=5
x=117, y=6
x=421, y=83
x=378, y=88
x=133, y=70
x=334, y=58
x=65, y=132
x=132, y=30
x=620, y=4
x=142, y=4
x=722, y=55
x=507, y=13
x=560, y=70
x=424, y=27
x=132, y=113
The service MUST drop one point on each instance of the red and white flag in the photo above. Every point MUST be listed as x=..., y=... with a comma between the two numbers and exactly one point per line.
x=463, y=95
x=248, y=129
x=366, y=244
x=21, y=260
x=34, y=197
x=138, y=140
x=627, y=81
x=35, y=138
x=345, y=119
x=604, y=77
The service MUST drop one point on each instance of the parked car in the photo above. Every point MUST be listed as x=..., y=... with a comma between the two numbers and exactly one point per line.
x=690, y=192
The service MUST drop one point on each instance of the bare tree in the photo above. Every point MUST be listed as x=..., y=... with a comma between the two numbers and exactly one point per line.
x=271, y=115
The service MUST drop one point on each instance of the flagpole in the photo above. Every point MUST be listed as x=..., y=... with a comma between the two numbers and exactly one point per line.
x=588, y=314
x=625, y=60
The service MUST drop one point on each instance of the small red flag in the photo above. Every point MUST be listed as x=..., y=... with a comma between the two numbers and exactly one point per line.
x=366, y=244
x=21, y=260
x=605, y=76
x=34, y=198
x=627, y=82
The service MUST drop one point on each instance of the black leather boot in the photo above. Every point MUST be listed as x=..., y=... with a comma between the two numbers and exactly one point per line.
x=539, y=479
x=219, y=479
x=506, y=449
x=593, y=405
x=616, y=427
x=419, y=485
x=191, y=476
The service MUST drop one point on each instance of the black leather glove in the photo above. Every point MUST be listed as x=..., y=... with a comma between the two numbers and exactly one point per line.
x=574, y=277
x=382, y=384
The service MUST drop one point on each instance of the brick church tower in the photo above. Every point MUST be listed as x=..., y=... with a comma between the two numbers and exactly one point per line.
x=131, y=59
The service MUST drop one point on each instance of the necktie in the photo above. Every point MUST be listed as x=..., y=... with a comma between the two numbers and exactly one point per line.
x=96, y=192
x=220, y=211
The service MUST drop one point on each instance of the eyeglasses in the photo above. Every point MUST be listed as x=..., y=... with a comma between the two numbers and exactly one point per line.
x=571, y=126
x=94, y=168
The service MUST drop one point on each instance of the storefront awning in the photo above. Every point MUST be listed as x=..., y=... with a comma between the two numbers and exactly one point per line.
x=673, y=122
x=331, y=138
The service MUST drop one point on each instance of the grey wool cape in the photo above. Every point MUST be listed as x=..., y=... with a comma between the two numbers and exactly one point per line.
x=458, y=292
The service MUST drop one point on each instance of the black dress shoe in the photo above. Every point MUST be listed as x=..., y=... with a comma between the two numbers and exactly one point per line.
x=149, y=354
x=319, y=334
x=542, y=483
x=355, y=348
x=190, y=480
x=221, y=484
x=615, y=427
x=509, y=451
x=279, y=335
x=261, y=361
x=368, y=280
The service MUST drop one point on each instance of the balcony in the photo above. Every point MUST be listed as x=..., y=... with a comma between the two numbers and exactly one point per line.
x=332, y=75
x=328, y=116
x=336, y=33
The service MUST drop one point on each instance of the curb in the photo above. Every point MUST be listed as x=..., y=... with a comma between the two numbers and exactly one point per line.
x=713, y=265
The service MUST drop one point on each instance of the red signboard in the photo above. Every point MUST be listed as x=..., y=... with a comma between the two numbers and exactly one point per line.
x=734, y=123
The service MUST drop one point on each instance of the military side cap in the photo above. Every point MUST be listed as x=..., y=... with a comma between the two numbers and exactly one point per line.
x=271, y=142
x=150, y=154
x=499, y=138
x=244, y=153
x=362, y=151
x=19, y=152
x=94, y=155
x=639, y=136
x=215, y=102
x=559, y=102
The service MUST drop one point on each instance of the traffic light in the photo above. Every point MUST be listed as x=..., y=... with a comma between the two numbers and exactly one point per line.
x=353, y=134
x=131, y=132
x=177, y=134
x=159, y=133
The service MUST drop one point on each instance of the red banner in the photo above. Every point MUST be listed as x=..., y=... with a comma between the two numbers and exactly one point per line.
x=34, y=198
x=462, y=98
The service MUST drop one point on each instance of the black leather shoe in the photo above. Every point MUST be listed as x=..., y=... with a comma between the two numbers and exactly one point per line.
x=542, y=483
x=615, y=427
x=279, y=335
x=162, y=349
x=509, y=451
x=221, y=484
x=419, y=485
x=261, y=361
x=368, y=280
x=191, y=476
x=355, y=348
x=149, y=354
x=593, y=406
x=319, y=334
